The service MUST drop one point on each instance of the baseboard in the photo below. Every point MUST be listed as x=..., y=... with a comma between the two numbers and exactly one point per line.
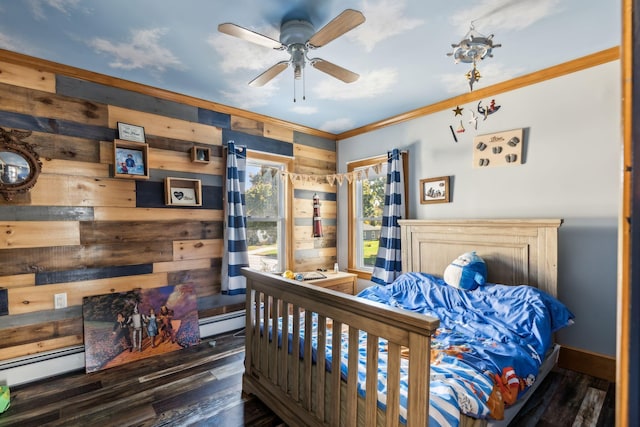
x=222, y=323
x=44, y=365
x=586, y=362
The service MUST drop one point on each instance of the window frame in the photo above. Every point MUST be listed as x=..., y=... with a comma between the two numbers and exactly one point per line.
x=287, y=202
x=354, y=237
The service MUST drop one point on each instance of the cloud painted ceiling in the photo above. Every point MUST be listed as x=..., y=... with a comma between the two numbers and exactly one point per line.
x=399, y=51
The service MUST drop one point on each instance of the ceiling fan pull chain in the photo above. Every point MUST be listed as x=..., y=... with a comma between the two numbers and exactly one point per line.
x=294, y=90
x=304, y=97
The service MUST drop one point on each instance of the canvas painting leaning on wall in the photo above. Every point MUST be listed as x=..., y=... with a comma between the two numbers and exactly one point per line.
x=127, y=326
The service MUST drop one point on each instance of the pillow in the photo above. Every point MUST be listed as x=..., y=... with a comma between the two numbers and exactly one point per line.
x=466, y=272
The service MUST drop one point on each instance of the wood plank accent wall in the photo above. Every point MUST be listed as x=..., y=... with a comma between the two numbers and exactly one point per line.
x=314, y=156
x=83, y=232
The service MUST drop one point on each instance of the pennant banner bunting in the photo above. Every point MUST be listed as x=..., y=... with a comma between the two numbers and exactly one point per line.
x=331, y=179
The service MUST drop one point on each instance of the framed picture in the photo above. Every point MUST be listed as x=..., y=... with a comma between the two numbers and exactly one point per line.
x=434, y=190
x=130, y=160
x=183, y=196
x=130, y=132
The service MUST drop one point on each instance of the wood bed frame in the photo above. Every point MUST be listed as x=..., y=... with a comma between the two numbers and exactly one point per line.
x=516, y=252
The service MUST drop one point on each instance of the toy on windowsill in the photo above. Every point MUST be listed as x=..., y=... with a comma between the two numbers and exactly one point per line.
x=466, y=272
x=288, y=274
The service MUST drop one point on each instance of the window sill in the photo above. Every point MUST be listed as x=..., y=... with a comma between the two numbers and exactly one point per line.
x=362, y=274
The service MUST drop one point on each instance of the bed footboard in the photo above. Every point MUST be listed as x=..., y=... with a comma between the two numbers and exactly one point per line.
x=303, y=395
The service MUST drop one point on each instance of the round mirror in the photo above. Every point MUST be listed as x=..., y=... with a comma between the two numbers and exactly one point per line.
x=19, y=164
x=14, y=168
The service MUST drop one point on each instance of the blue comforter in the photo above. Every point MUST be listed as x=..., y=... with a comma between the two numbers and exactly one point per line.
x=496, y=332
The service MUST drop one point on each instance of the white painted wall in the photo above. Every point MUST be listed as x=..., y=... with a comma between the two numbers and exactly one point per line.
x=571, y=170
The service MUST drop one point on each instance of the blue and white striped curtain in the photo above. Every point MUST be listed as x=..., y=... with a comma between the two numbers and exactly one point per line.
x=388, y=263
x=235, y=254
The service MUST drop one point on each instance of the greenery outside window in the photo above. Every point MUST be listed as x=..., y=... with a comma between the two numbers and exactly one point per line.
x=366, y=205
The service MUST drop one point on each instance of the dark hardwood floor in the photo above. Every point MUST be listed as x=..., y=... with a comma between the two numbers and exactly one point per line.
x=202, y=386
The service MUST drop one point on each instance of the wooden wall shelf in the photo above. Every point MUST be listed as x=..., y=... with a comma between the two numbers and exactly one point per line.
x=130, y=159
x=200, y=154
x=182, y=192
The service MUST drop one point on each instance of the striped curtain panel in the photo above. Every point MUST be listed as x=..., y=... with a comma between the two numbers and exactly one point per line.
x=388, y=263
x=235, y=254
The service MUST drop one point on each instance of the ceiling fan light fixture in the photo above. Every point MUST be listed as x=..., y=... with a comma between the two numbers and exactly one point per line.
x=298, y=52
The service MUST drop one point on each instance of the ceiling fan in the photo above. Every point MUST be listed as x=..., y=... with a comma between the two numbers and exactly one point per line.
x=298, y=36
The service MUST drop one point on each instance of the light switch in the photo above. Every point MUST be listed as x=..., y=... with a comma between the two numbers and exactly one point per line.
x=60, y=300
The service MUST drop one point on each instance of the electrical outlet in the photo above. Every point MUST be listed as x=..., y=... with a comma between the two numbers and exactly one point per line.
x=60, y=300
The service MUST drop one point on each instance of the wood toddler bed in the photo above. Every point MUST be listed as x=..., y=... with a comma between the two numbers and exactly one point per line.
x=282, y=372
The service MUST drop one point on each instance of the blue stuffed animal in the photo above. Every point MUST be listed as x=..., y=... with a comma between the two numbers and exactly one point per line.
x=467, y=272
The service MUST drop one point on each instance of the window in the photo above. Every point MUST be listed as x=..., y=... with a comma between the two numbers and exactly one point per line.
x=368, y=221
x=265, y=197
x=366, y=205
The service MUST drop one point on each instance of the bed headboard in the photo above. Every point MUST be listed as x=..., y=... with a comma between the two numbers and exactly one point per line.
x=518, y=251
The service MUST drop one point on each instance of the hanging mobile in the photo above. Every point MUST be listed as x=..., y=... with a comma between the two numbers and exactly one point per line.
x=473, y=48
x=473, y=76
x=473, y=120
x=453, y=133
x=492, y=108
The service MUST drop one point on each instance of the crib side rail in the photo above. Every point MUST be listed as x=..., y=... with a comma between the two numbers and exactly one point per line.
x=281, y=372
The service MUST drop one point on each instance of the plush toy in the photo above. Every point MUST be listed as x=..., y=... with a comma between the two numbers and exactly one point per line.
x=510, y=385
x=467, y=272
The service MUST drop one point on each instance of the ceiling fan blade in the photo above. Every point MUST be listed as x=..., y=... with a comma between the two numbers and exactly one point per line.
x=268, y=75
x=251, y=36
x=345, y=22
x=334, y=70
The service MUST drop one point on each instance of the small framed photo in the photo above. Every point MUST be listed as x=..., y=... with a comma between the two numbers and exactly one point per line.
x=434, y=190
x=130, y=132
x=130, y=160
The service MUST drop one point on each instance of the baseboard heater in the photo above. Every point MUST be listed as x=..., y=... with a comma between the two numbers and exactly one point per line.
x=27, y=369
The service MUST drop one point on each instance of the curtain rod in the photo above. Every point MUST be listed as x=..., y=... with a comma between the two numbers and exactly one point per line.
x=374, y=157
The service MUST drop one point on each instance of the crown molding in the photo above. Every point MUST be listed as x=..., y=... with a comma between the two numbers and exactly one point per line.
x=569, y=67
